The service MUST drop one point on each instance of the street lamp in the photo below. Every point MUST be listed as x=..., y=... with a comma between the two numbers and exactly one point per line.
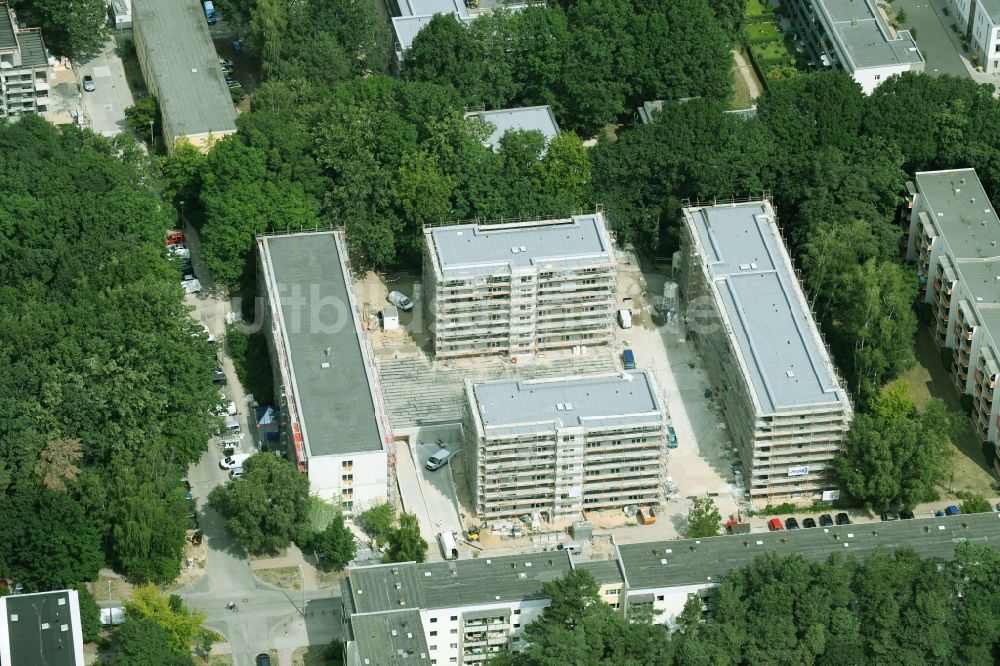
x=151, y=136
x=182, y=213
x=302, y=581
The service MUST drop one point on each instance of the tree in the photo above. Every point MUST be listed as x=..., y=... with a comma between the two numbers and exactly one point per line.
x=896, y=454
x=143, y=642
x=268, y=508
x=77, y=29
x=58, y=463
x=143, y=116
x=405, y=543
x=703, y=518
x=46, y=540
x=976, y=503
x=90, y=615
x=183, y=627
x=334, y=545
x=180, y=173
x=377, y=521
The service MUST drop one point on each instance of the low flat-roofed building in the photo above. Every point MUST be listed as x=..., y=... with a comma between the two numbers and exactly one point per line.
x=854, y=35
x=954, y=238
x=528, y=118
x=666, y=573
x=181, y=69
x=24, y=68
x=519, y=288
x=410, y=16
x=564, y=446
x=333, y=421
x=42, y=629
x=780, y=394
x=466, y=611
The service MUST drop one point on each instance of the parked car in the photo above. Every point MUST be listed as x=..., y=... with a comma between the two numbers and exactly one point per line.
x=889, y=515
x=236, y=473
x=906, y=514
x=218, y=377
x=225, y=63
x=263, y=660
x=843, y=519
x=400, y=300
x=774, y=524
x=625, y=318
x=438, y=460
x=628, y=359
x=191, y=286
x=228, y=77
x=952, y=511
x=88, y=83
x=808, y=522
x=791, y=523
x=825, y=520
x=234, y=462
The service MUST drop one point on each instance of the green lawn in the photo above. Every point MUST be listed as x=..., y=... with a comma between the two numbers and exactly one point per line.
x=756, y=8
x=740, y=98
x=762, y=32
x=929, y=379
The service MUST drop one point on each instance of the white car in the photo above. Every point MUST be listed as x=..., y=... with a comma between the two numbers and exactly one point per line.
x=192, y=286
x=236, y=473
x=179, y=251
x=234, y=462
x=400, y=300
x=625, y=318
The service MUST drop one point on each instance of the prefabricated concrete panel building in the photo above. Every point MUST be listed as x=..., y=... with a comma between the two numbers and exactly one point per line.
x=333, y=422
x=525, y=118
x=564, y=446
x=780, y=394
x=181, y=69
x=519, y=288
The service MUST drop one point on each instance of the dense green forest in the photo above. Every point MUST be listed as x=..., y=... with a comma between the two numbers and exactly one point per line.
x=888, y=608
x=104, y=379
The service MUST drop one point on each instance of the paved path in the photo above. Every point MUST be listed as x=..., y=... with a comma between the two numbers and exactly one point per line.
x=747, y=73
x=106, y=104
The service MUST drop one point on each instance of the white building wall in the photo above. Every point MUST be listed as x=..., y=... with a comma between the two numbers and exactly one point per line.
x=872, y=78
x=668, y=602
x=364, y=475
x=443, y=626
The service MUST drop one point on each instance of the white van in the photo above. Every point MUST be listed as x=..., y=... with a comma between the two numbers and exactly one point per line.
x=448, y=546
x=438, y=460
x=232, y=425
x=625, y=318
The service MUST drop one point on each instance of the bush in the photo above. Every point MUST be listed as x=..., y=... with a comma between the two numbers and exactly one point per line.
x=976, y=504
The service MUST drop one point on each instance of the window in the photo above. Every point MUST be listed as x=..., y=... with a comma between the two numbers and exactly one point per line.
x=432, y=647
x=347, y=465
x=434, y=633
x=347, y=478
x=659, y=597
x=454, y=618
x=453, y=646
x=454, y=631
x=433, y=620
x=347, y=506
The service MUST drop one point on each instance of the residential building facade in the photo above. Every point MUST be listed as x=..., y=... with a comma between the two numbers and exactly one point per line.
x=467, y=610
x=181, y=69
x=560, y=447
x=954, y=238
x=854, y=35
x=333, y=422
x=519, y=288
x=980, y=20
x=24, y=68
x=780, y=394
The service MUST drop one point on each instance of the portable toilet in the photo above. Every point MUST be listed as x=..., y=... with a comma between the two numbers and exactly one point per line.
x=390, y=318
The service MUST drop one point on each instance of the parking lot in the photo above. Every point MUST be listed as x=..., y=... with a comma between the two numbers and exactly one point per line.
x=105, y=105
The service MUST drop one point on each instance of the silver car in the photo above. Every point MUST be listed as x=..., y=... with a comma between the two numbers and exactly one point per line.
x=400, y=300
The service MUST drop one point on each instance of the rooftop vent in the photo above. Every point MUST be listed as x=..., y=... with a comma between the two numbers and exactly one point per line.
x=324, y=365
x=569, y=406
x=789, y=374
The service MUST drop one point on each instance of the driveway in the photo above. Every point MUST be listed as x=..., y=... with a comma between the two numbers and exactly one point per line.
x=934, y=36
x=430, y=495
x=105, y=105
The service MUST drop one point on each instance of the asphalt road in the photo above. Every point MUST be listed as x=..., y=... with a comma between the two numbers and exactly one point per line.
x=933, y=39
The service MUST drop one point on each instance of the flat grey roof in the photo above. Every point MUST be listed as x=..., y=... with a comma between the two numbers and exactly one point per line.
x=338, y=412
x=962, y=212
x=430, y=7
x=528, y=118
x=455, y=583
x=864, y=35
x=32, y=49
x=7, y=39
x=40, y=630
x=511, y=406
x=468, y=250
x=991, y=7
x=605, y=572
x=390, y=638
x=192, y=94
x=694, y=561
x=767, y=316
x=983, y=281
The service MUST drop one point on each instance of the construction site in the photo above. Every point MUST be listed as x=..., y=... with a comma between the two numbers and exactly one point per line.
x=426, y=402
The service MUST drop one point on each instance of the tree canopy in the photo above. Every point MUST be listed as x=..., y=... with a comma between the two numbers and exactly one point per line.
x=77, y=29
x=268, y=508
x=104, y=378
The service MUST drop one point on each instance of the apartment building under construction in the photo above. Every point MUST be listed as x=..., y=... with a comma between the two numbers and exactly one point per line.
x=519, y=288
x=24, y=68
x=954, y=238
x=563, y=446
x=780, y=394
